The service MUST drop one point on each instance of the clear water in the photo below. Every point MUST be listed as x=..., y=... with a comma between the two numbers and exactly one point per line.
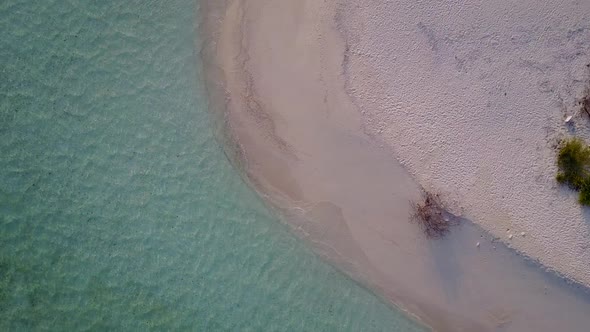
x=118, y=209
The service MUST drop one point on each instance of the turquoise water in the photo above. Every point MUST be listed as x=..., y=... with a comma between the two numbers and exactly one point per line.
x=118, y=209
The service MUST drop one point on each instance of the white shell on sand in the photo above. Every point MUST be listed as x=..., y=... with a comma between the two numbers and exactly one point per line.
x=568, y=119
x=477, y=244
x=510, y=236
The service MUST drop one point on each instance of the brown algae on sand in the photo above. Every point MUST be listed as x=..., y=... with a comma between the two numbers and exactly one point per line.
x=432, y=216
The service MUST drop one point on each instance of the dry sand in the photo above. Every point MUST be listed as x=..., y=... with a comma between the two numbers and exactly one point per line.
x=283, y=77
x=471, y=97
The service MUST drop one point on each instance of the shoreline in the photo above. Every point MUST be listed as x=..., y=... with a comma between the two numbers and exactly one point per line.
x=489, y=100
x=294, y=158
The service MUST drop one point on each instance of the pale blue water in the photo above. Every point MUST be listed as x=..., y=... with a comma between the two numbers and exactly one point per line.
x=118, y=209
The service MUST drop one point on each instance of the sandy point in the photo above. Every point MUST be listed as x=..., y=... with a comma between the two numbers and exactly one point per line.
x=341, y=113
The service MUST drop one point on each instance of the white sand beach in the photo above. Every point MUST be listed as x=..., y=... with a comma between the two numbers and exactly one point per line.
x=471, y=97
x=340, y=113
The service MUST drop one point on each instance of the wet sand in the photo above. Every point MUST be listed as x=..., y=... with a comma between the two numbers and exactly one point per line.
x=277, y=75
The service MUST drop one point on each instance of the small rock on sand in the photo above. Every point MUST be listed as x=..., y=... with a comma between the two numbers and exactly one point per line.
x=477, y=244
x=510, y=236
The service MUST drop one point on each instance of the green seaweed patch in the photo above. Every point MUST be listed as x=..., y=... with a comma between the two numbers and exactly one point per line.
x=573, y=162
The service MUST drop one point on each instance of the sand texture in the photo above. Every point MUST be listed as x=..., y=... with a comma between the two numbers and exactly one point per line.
x=471, y=97
x=302, y=107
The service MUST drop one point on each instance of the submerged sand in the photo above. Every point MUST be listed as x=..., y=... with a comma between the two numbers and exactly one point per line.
x=299, y=103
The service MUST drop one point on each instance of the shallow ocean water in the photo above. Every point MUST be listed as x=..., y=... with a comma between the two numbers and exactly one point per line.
x=118, y=208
